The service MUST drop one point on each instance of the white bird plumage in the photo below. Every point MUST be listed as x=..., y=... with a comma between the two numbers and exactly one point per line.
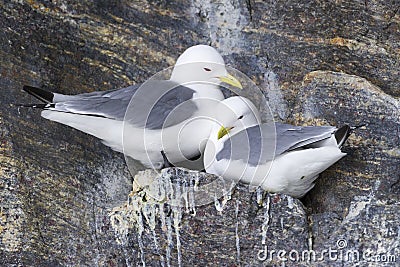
x=278, y=157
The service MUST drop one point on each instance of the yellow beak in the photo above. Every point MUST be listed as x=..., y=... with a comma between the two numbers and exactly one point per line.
x=229, y=79
x=223, y=131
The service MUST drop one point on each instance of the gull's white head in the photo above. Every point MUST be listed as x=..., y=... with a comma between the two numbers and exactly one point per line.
x=233, y=115
x=202, y=63
x=200, y=53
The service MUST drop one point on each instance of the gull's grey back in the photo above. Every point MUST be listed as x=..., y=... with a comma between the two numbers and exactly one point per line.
x=259, y=144
x=157, y=104
x=109, y=104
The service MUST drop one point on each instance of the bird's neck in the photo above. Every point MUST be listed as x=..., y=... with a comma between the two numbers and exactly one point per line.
x=206, y=90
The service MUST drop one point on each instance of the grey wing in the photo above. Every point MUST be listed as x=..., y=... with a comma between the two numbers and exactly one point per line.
x=259, y=144
x=109, y=104
x=253, y=145
x=289, y=137
x=160, y=104
x=157, y=104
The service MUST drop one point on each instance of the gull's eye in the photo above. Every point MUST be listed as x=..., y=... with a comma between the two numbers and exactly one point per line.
x=207, y=69
x=241, y=117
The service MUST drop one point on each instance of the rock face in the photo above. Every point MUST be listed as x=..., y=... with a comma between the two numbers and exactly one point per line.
x=319, y=62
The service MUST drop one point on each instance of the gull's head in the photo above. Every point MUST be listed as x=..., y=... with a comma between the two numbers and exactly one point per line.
x=202, y=63
x=233, y=115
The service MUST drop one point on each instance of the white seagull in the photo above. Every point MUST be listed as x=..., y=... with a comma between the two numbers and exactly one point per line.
x=158, y=122
x=277, y=157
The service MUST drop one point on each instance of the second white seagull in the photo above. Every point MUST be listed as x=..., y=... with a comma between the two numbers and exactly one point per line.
x=277, y=157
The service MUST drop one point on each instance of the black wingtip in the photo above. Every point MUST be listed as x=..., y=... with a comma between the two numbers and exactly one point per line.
x=40, y=94
x=343, y=133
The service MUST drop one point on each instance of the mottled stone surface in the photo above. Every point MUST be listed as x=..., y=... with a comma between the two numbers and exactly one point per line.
x=317, y=62
x=243, y=227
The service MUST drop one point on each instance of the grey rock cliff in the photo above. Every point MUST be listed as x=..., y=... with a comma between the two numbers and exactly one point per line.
x=318, y=62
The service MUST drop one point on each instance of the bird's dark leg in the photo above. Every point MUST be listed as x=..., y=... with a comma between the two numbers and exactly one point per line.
x=167, y=164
